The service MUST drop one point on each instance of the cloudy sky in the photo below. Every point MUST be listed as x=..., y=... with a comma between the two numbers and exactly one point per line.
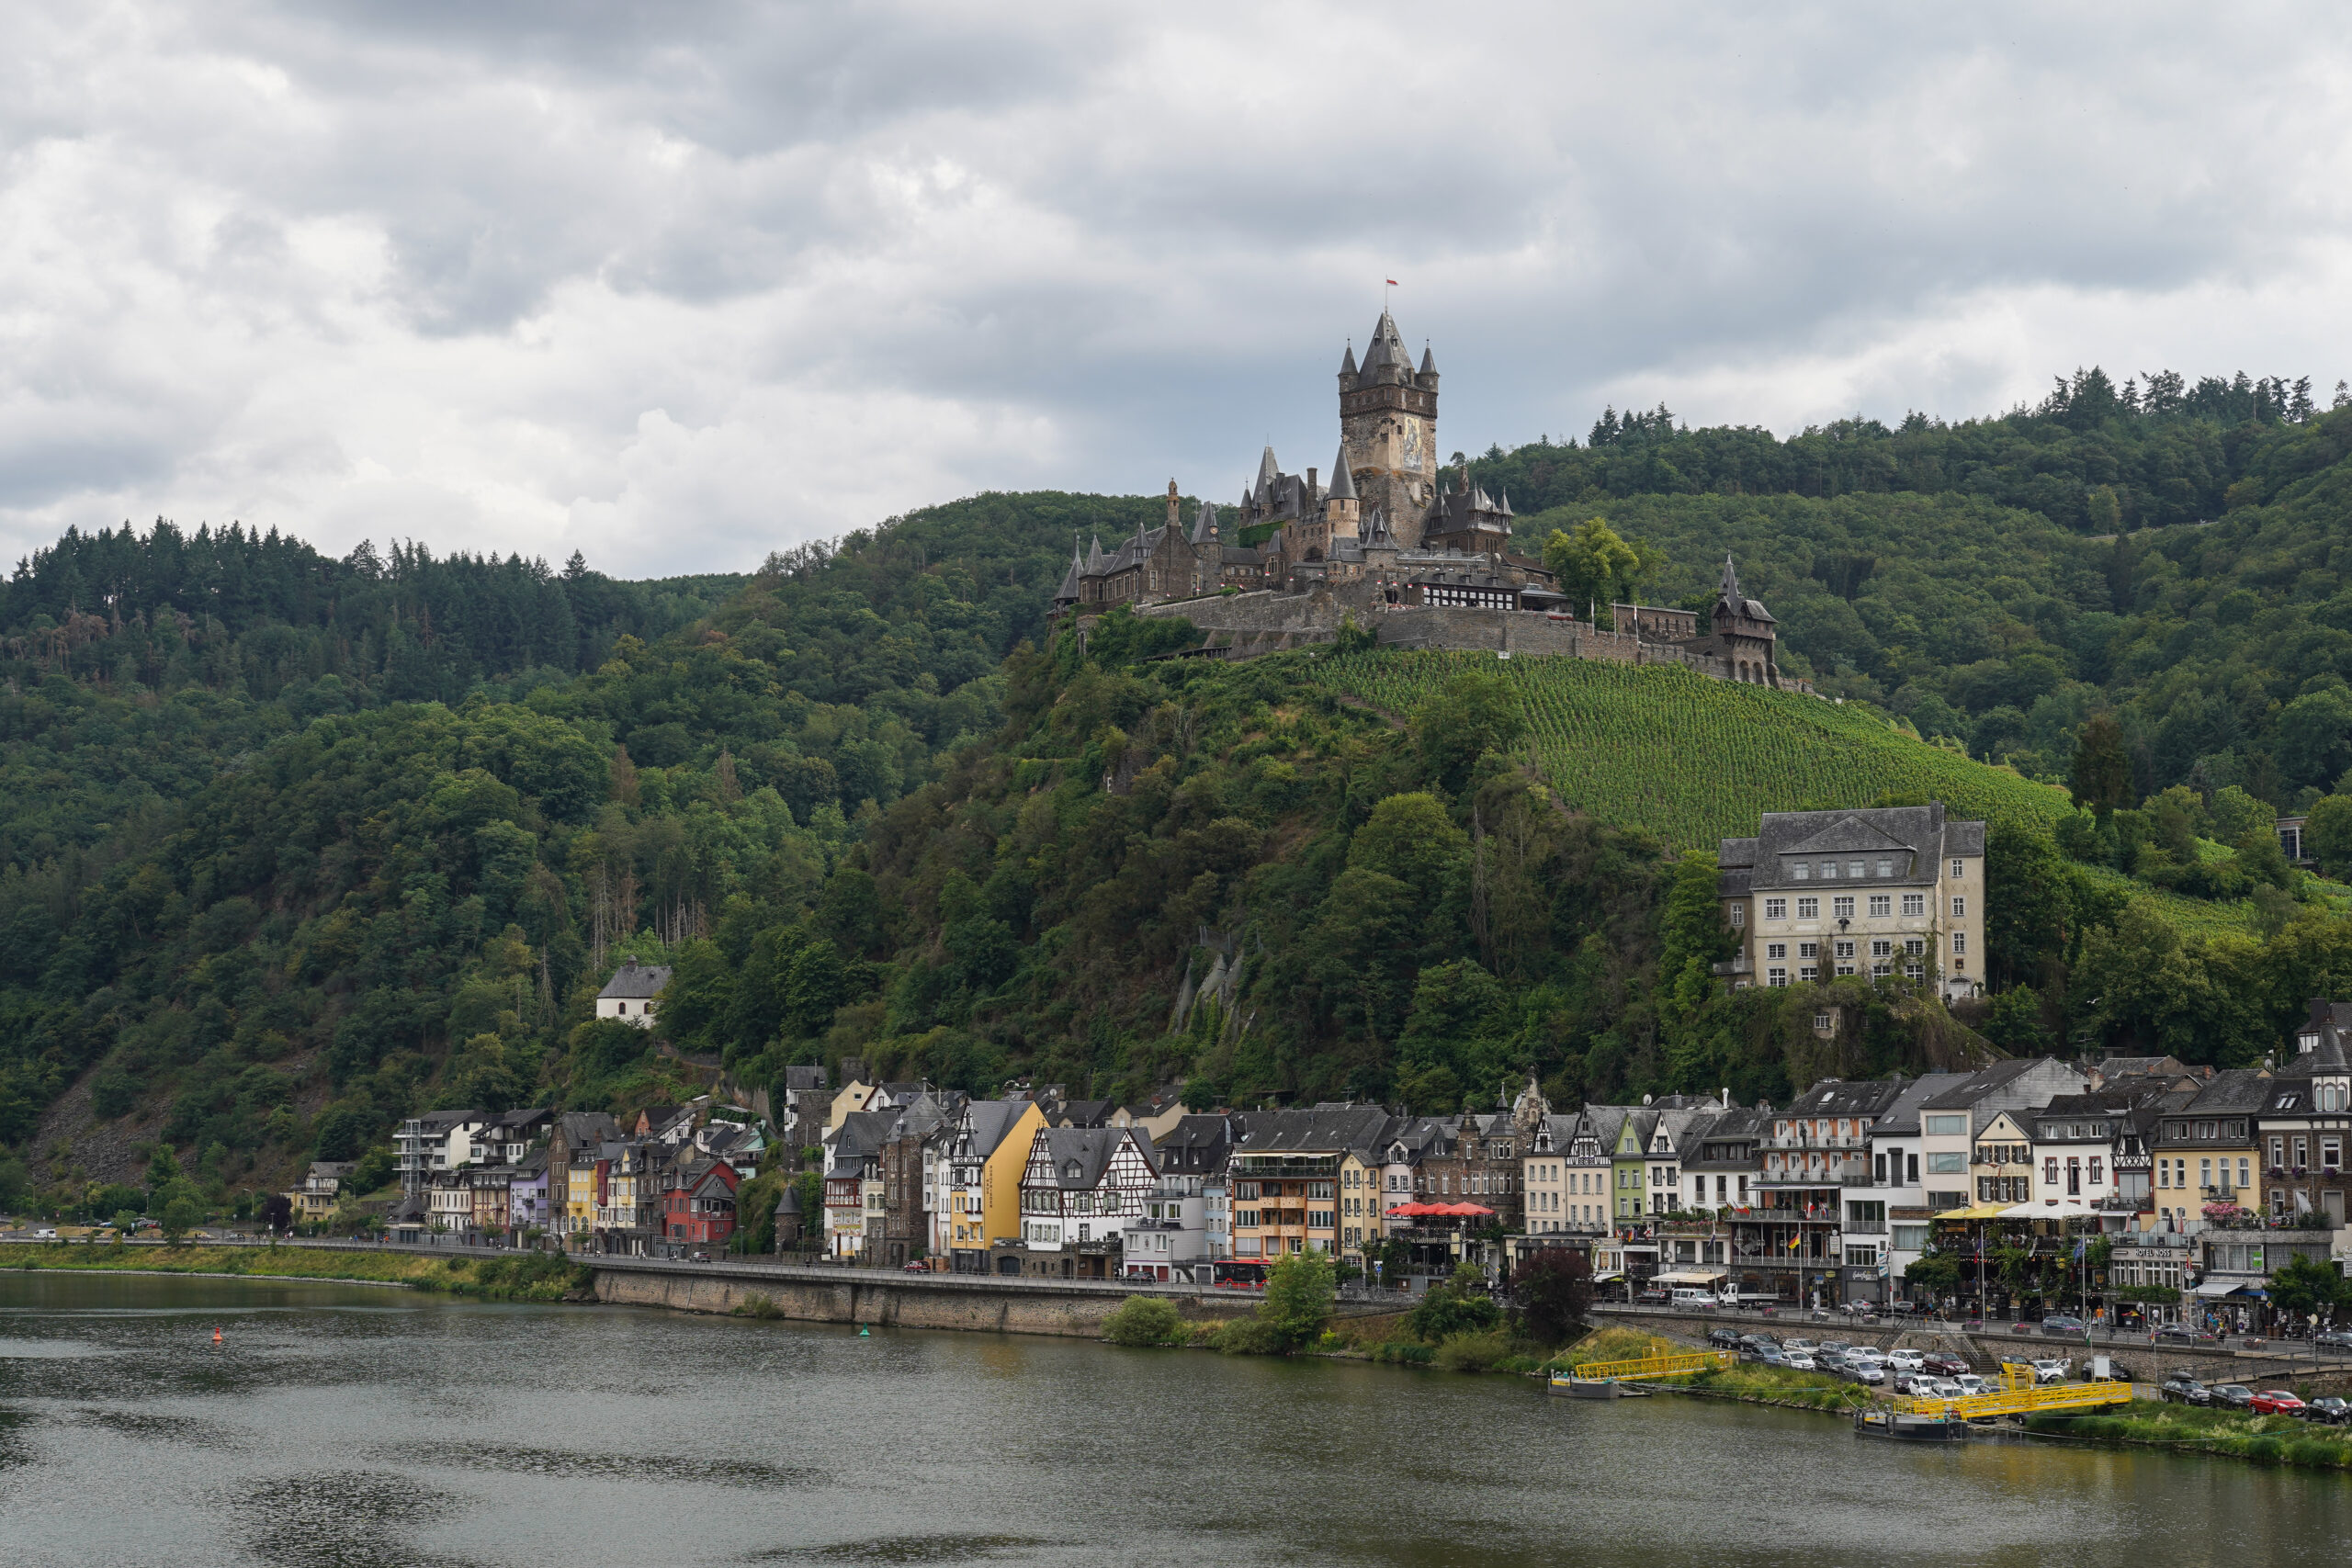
x=678, y=285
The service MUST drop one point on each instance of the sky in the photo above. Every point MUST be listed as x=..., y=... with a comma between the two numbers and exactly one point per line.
x=677, y=286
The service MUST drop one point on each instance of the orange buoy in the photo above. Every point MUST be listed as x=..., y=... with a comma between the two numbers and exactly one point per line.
x=216, y=1337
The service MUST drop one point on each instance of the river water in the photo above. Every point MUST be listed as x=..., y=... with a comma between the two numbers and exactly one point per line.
x=343, y=1426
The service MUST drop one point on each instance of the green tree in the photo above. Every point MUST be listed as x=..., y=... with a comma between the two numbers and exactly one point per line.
x=2304, y=1287
x=2101, y=777
x=1299, y=1299
x=1552, y=1288
x=1454, y=1306
x=1593, y=565
x=2025, y=902
x=2013, y=1022
x=1412, y=839
x=180, y=1217
x=1477, y=712
x=2327, y=835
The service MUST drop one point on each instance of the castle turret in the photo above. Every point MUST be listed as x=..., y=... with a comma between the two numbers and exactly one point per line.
x=1068, y=593
x=1340, y=504
x=1388, y=430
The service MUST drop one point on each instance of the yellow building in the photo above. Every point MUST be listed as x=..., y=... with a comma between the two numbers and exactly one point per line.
x=1359, y=1202
x=985, y=1159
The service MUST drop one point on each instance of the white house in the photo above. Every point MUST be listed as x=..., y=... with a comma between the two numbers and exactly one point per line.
x=1170, y=1235
x=631, y=994
x=1082, y=1185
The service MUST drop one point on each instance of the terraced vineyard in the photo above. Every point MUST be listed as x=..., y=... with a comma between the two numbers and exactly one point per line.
x=1693, y=760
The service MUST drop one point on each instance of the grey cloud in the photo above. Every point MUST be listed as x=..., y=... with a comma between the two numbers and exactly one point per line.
x=440, y=262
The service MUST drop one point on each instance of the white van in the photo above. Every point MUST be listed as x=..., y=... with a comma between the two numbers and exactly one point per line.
x=1687, y=1299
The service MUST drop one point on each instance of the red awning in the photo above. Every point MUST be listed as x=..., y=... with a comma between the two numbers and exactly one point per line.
x=1445, y=1211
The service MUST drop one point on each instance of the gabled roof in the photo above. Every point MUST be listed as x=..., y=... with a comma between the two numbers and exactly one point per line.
x=1324, y=1129
x=634, y=982
x=1836, y=1096
x=1903, y=1116
x=1849, y=834
x=2238, y=1088
x=1076, y=1156
x=799, y=1079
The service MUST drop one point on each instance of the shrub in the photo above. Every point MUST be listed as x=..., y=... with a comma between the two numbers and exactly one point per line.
x=1405, y=1352
x=1474, y=1352
x=760, y=1307
x=1144, y=1320
x=1248, y=1336
x=1298, y=1298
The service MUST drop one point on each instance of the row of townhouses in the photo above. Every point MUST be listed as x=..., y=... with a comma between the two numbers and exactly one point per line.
x=665, y=1183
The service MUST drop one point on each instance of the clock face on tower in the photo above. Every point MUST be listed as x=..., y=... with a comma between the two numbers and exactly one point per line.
x=1413, y=445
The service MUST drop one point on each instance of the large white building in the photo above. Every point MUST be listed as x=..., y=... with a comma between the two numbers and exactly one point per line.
x=1888, y=891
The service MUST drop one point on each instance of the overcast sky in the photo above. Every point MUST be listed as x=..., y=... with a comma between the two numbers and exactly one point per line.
x=678, y=285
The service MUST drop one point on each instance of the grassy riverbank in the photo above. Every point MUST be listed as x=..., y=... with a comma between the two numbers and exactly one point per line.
x=530, y=1277
x=2260, y=1439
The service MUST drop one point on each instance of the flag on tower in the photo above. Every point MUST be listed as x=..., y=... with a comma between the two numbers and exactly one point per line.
x=1392, y=283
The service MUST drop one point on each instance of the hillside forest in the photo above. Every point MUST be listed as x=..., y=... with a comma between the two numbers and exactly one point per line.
x=296, y=846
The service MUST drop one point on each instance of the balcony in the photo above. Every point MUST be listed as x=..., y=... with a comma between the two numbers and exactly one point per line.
x=1864, y=1228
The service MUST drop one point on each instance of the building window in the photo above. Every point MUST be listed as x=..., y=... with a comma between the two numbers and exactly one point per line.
x=1881, y=906
x=1829, y=871
x=1808, y=908
x=1738, y=916
x=1800, y=872
x=1775, y=950
x=1807, y=973
x=1776, y=977
x=1959, y=907
x=1914, y=904
x=1959, y=943
x=1776, y=908
x=1955, y=871
x=1842, y=908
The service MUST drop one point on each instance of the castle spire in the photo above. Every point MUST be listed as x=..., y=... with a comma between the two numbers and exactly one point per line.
x=1730, y=589
x=1343, y=485
x=1348, y=365
x=1069, y=594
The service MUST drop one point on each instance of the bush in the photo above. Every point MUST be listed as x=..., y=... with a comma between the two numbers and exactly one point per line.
x=1144, y=1320
x=1298, y=1298
x=1405, y=1352
x=1248, y=1336
x=1474, y=1352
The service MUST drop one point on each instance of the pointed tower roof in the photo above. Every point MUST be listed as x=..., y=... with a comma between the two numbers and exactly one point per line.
x=1506, y=504
x=1069, y=593
x=1268, y=469
x=1429, y=360
x=1343, y=484
x=1204, y=525
x=1386, y=350
x=1348, y=365
x=1730, y=589
x=1094, y=557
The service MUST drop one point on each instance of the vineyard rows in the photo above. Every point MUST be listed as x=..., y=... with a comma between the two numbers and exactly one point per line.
x=1693, y=760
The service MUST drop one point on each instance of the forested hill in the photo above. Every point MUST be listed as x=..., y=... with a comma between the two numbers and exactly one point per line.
x=290, y=846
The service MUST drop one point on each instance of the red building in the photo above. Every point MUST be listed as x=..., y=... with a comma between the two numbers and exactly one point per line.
x=699, y=1206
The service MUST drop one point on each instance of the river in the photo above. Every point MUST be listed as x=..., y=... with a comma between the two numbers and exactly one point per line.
x=343, y=1426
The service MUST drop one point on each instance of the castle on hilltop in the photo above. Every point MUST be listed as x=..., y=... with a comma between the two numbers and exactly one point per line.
x=1393, y=539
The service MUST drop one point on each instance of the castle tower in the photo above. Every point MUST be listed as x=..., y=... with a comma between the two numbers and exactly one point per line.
x=1388, y=429
x=1340, y=504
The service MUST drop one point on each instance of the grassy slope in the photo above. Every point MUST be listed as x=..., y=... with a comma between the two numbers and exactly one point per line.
x=1693, y=759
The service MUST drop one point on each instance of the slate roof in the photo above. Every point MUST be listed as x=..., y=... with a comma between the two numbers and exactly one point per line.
x=1323, y=1129
x=1087, y=1112
x=1902, y=1116
x=990, y=1119
x=799, y=1080
x=2238, y=1088
x=1078, y=1156
x=635, y=982
x=1343, y=484
x=1836, y=1096
x=1918, y=838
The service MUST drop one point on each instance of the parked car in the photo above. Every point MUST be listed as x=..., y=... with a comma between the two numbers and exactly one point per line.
x=44, y=1236
x=2063, y=1327
x=1971, y=1385
x=2276, y=1402
x=1904, y=1358
x=2233, y=1397
x=1773, y=1357
x=1652, y=1298
x=1943, y=1366
x=1947, y=1389
x=2332, y=1408
x=1799, y=1343
x=1798, y=1360
x=1723, y=1338
x=2051, y=1369
x=2186, y=1334
x=2184, y=1390
x=1863, y=1370
x=2335, y=1338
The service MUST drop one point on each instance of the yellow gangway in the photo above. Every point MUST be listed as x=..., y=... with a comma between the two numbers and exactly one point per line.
x=2018, y=1396
x=1649, y=1367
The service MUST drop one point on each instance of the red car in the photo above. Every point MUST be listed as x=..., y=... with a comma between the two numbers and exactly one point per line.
x=1944, y=1366
x=2276, y=1402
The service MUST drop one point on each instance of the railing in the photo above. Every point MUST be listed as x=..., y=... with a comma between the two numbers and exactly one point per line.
x=1655, y=1365
x=1865, y=1227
